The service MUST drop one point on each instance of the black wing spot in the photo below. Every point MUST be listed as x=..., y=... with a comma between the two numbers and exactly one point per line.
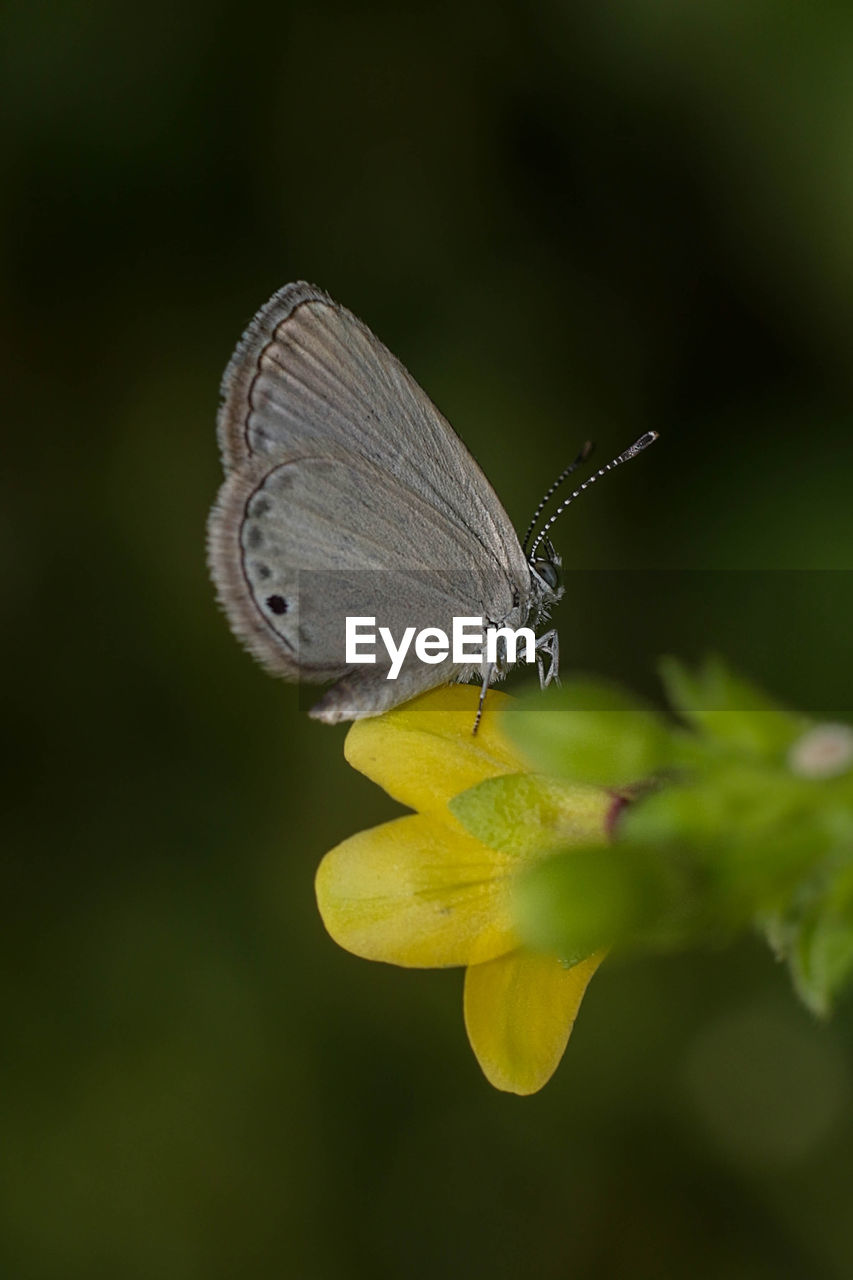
x=254, y=537
x=263, y=570
x=277, y=604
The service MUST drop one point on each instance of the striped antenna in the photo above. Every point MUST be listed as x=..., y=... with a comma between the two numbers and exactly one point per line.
x=573, y=466
x=637, y=447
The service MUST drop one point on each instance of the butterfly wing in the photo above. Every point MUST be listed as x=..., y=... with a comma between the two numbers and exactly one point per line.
x=308, y=373
x=337, y=462
x=298, y=547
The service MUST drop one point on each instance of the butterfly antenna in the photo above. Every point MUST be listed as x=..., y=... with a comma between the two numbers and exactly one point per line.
x=573, y=466
x=637, y=447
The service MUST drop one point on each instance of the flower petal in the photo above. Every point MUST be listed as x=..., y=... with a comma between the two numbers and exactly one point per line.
x=425, y=751
x=417, y=892
x=519, y=1012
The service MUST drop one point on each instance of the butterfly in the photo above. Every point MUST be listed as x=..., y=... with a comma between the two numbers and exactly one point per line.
x=347, y=494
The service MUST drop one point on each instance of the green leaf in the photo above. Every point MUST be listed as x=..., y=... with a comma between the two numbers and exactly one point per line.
x=757, y=835
x=730, y=802
x=525, y=814
x=599, y=896
x=593, y=733
x=814, y=935
x=729, y=709
x=822, y=962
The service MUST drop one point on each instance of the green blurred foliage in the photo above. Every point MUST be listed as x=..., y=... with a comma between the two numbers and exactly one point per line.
x=570, y=221
x=747, y=819
x=594, y=733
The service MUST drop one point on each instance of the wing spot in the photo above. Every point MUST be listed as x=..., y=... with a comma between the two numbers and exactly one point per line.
x=254, y=537
x=263, y=571
x=277, y=604
x=260, y=506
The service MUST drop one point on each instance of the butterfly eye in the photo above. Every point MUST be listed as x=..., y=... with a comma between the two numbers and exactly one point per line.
x=547, y=571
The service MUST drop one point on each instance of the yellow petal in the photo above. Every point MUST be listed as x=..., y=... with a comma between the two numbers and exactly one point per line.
x=519, y=1012
x=424, y=752
x=417, y=892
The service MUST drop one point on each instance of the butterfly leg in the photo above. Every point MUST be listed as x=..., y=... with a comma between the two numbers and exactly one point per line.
x=548, y=646
x=488, y=673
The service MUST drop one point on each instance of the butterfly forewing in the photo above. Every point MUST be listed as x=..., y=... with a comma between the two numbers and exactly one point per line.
x=347, y=493
x=308, y=371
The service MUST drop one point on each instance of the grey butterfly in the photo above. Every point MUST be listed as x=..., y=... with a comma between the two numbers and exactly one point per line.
x=346, y=494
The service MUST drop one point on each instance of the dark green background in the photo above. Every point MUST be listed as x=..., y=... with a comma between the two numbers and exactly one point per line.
x=569, y=220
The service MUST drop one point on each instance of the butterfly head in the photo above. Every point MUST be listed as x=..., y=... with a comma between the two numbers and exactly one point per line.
x=546, y=580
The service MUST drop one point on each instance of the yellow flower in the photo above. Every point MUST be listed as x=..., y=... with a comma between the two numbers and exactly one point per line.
x=423, y=892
